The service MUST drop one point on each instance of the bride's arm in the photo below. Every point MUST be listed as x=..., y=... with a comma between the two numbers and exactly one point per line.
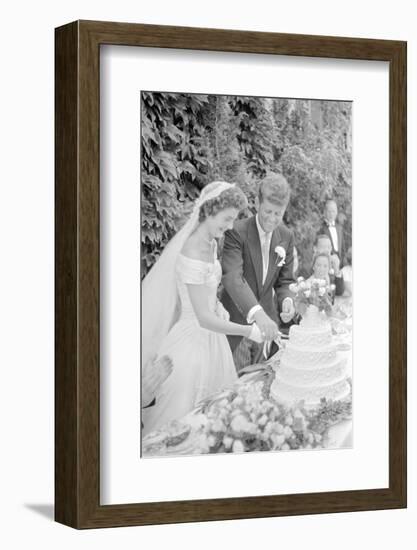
x=208, y=319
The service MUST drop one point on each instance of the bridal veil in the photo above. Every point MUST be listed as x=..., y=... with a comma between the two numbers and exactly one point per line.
x=159, y=295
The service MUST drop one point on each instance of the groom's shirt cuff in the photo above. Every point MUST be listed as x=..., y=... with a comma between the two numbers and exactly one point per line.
x=252, y=311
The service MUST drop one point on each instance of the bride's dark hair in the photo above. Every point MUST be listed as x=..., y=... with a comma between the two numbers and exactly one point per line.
x=230, y=198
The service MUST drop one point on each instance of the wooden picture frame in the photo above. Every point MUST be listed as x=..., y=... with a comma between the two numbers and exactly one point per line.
x=77, y=358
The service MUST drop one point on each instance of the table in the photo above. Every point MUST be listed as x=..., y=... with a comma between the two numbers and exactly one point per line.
x=246, y=417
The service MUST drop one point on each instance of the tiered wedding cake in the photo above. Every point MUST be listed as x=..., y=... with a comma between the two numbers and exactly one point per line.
x=310, y=368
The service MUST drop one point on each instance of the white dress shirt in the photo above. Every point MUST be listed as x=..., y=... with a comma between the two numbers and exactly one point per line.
x=333, y=234
x=265, y=240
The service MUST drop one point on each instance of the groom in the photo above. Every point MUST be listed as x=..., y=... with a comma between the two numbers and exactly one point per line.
x=257, y=267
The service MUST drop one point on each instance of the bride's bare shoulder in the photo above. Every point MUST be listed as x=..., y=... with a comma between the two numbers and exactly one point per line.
x=192, y=249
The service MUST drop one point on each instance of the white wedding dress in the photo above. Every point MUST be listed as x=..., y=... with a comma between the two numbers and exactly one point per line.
x=202, y=359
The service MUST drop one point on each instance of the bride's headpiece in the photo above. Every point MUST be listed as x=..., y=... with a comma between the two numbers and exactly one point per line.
x=212, y=191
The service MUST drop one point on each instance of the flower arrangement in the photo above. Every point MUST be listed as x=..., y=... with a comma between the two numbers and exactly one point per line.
x=313, y=292
x=246, y=420
x=329, y=413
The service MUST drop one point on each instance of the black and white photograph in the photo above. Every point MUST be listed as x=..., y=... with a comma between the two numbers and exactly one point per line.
x=246, y=270
x=208, y=287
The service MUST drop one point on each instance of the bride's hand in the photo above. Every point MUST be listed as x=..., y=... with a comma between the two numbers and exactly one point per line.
x=255, y=334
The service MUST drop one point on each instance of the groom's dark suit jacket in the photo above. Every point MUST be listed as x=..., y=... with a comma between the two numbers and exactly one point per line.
x=242, y=272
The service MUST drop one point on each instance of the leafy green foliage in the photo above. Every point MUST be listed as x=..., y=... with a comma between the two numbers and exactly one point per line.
x=189, y=140
x=173, y=166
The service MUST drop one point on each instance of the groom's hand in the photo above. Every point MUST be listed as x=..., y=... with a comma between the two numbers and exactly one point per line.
x=288, y=310
x=268, y=328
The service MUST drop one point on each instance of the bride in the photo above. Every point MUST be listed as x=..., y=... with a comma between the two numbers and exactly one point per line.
x=181, y=315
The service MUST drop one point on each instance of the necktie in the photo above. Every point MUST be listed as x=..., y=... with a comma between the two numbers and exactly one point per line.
x=266, y=244
x=333, y=235
x=265, y=254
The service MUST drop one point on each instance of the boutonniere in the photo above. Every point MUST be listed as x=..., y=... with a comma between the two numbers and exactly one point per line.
x=281, y=254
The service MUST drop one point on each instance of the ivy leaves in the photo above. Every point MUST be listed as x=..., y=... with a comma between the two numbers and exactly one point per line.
x=171, y=162
x=188, y=140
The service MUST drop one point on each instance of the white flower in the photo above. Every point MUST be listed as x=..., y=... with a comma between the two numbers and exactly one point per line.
x=277, y=440
x=266, y=406
x=211, y=440
x=293, y=287
x=240, y=424
x=279, y=428
x=300, y=279
x=281, y=254
x=307, y=293
x=288, y=432
x=218, y=426
x=237, y=401
x=280, y=439
x=289, y=420
x=238, y=446
x=322, y=291
x=263, y=420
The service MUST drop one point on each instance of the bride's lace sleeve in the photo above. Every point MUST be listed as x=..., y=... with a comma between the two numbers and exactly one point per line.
x=191, y=271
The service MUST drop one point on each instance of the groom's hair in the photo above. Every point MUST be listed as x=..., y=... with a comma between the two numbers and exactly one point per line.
x=274, y=188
